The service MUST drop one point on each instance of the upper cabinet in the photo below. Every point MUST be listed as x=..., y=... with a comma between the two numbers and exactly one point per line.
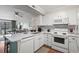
x=66, y=16
x=72, y=15
x=78, y=16
x=63, y=16
x=47, y=19
x=37, y=9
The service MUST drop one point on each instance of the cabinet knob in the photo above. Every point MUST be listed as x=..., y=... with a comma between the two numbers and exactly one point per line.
x=73, y=38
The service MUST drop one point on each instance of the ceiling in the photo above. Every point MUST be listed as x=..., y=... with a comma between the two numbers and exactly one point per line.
x=47, y=8
x=26, y=9
x=50, y=8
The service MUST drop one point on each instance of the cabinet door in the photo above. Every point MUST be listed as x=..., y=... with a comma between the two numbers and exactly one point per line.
x=45, y=39
x=72, y=45
x=26, y=46
x=49, y=39
x=78, y=43
x=36, y=44
x=72, y=16
x=41, y=42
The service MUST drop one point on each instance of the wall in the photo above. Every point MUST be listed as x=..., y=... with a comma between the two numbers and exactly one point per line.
x=25, y=20
x=8, y=13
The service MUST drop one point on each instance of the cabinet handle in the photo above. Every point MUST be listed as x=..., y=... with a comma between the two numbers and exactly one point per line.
x=73, y=38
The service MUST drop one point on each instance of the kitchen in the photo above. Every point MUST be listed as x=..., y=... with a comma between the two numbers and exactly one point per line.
x=39, y=29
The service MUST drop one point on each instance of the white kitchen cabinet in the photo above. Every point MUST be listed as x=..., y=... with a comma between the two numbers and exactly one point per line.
x=77, y=43
x=26, y=46
x=47, y=39
x=72, y=15
x=40, y=20
x=41, y=41
x=73, y=48
x=36, y=44
x=78, y=16
x=47, y=20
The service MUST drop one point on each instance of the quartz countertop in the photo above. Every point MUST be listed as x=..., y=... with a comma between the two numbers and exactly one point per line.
x=68, y=35
x=73, y=35
x=19, y=36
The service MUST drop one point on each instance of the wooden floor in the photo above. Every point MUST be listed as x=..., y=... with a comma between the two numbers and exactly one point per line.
x=46, y=49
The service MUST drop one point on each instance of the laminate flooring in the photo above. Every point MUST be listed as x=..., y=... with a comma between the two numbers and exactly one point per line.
x=45, y=49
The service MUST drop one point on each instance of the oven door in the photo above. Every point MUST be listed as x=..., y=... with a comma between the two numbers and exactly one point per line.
x=60, y=42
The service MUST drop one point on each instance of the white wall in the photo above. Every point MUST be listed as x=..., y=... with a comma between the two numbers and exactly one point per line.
x=8, y=13
x=70, y=12
x=25, y=20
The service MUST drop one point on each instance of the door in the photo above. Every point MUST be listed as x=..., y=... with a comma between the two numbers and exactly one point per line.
x=73, y=45
x=26, y=46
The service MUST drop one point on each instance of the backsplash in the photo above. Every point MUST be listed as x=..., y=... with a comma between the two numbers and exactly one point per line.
x=47, y=28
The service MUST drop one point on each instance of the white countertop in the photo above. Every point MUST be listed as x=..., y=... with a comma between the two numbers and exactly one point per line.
x=73, y=35
x=69, y=35
x=19, y=36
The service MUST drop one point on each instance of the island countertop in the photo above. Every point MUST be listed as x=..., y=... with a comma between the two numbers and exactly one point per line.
x=19, y=36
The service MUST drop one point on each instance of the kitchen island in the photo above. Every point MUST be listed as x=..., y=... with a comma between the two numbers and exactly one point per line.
x=23, y=43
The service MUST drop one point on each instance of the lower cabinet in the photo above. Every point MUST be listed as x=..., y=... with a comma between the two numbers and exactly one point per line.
x=48, y=39
x=30, y=45
x=36, y=44
x=26, y=46
x=78, y=43
x=41, y=42
x=73, y=46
